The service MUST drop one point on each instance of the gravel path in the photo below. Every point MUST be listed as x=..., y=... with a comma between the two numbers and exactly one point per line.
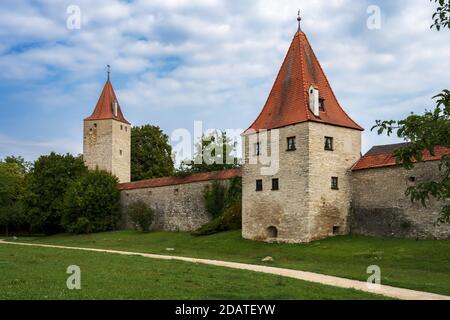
x=393, y=292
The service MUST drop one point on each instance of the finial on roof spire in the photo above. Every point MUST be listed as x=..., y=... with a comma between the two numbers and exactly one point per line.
x=108, y=68
x=299, y=19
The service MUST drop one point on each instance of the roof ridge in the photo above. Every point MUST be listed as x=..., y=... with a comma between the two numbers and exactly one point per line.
x=328, y=83
x=103, y=108
x=288, y=100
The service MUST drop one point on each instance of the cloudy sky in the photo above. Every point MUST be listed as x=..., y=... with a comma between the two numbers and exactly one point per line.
x=177, y=61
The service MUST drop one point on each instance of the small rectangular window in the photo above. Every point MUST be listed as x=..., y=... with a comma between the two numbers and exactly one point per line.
x=329, y=143
x=275, y=184
x=322, y=104
x=334, y=183
x=121, y=127
x=257, y=149
x=291, y=144
x=259, y=185
x=120, y=152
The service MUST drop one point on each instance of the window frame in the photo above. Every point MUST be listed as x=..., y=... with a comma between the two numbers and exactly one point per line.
x=335, y=183
x=257, y=149
x=321, y=104
x=277, y=184
x=331, y=139
x=259, y=185
x=288, y=139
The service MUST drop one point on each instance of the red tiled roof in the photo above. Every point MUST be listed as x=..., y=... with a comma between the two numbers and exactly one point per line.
x=288, y=100
x=196, y=177
x=383, y=156
x=103, y=109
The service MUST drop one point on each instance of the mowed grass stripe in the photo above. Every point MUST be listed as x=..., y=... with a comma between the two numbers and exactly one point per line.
x=418, y=265
x=40, y=273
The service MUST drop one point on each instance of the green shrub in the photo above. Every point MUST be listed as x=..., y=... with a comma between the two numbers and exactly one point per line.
x=212, y=227
x=224, y=204
x=232, y=216
x=82, y=225
x=140, y=215
x=91, y=203
x=215, y=198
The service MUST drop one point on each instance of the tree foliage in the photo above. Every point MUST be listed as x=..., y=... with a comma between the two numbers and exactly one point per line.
x=91, y=203
x=425, y=132
x=12, y=187
x=214, y=152
x=151, y=153
x=48, y=181
x=224, y=204
x=441, y=18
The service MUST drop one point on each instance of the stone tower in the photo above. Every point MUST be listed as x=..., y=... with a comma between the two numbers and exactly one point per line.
x=297, y=156
x=107, y=137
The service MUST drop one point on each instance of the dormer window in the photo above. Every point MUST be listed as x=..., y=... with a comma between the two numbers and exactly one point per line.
x=321, y=104
x=314, y=100
x=115, y=107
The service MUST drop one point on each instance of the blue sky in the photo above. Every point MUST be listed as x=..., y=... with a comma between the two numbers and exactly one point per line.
x=177, y=61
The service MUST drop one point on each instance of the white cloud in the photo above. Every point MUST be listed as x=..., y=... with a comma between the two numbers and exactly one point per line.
x=174, y=61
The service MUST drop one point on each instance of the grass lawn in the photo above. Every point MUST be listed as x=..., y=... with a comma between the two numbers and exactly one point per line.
x=420, y=265
x=40, y=273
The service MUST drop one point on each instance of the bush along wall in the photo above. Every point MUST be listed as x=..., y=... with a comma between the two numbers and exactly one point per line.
x=224, y=204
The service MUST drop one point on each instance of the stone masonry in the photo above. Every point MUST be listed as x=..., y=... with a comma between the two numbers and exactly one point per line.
x=305, y=207
x=380, y=207
x=176, y=207
x=107, y=147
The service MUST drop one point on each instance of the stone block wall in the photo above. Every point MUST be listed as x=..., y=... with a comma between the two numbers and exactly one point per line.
x=107, y=146
x=381, y=208
x=305, y=208
x=285, y=209
x=329, y=208
x=178, y=207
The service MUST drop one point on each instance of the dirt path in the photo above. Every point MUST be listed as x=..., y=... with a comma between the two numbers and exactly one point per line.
x=393, y=292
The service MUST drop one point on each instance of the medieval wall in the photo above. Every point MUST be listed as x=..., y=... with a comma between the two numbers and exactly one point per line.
x=285, y=209
x=107, y=146
x=97, y=144
x=177, y=207
x=305, y=207
x=329, y=208
x=121, y=151
x=380, y=207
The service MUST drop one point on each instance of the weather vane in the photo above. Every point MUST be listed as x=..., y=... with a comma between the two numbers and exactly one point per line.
x=299, y=19
x=108, y=68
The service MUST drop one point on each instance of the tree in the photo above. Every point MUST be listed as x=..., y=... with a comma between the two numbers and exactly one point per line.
x=151, y=153
x=91, y=203
x=48, y=182
x=425, y=133
x=12, y=186
x=441, y=18
x=24, y=166
x=214, y=152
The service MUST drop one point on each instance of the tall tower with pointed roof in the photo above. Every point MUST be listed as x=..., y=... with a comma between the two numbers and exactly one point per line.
x=310, y=143
x=107, y=136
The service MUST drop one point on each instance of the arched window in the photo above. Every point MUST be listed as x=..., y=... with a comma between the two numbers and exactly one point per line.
x=272, y=232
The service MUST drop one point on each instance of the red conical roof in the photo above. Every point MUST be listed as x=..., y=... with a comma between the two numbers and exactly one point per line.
x=103, y=110
x=288, y=102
